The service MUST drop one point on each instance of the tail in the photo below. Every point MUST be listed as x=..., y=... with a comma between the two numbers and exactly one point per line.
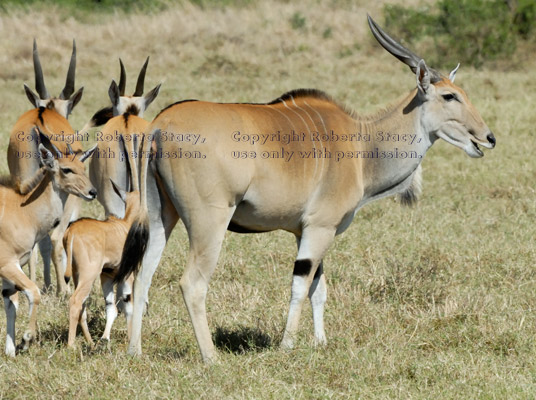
x=68, y=246
x=99, y=118
x=132, y=168
x=138, y=234
x=134, y=250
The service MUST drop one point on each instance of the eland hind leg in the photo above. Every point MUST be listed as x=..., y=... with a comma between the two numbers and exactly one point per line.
x=107, y=284
x=15, y=280
x=83, y=280
x=162, y=222
x=45, y=248
x=11, y=304
x=70, y=212
x=124, y=294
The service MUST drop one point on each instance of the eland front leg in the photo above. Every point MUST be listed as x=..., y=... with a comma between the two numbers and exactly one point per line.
x=206, y=233
x=308, y=280
x=318, y=295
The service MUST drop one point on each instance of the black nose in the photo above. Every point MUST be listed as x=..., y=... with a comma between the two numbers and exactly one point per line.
x=93, y=192
x=491, y=139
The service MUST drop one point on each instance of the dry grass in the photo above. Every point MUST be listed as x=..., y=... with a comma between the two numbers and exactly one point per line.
x=434, y=302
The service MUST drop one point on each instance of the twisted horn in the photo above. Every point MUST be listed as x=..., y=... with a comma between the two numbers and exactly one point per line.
x=39, y=80
x=87, y=153
x=70, y=149
x=452, y=74
x=141, y=79
x=122, y=79
x=69, y=82
x=396, y=49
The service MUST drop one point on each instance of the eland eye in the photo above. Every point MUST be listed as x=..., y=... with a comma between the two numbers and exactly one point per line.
x=67, y=170
x=449, y=97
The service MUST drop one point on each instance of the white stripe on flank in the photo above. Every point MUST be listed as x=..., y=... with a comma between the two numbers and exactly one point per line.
x=3, y=205
x=71, y=251
x=307, y=126
x=319, y=116
x=323, y=125
x=284, y=115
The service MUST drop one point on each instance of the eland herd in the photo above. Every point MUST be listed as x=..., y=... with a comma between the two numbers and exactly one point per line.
x=301, y=163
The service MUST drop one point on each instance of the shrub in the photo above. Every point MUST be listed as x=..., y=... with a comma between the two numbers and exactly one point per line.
x=466, y=31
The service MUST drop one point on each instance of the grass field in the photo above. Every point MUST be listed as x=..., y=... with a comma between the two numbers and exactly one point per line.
x=432, y=302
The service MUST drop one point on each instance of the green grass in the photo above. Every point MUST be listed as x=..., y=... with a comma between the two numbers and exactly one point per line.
x=432, y=302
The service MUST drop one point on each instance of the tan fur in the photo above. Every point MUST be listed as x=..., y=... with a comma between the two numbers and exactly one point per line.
x=22, y=162
x=96, y=245
x=110, y=160
x=315, y=198
x=94, y=249
x=24, y=220
x=219, y=171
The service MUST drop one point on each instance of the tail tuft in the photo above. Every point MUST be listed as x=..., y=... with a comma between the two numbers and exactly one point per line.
x=99, y=118
x=134, y=249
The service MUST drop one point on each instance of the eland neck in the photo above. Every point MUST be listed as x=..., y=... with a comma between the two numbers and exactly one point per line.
x=395, y=146
x=45, y=204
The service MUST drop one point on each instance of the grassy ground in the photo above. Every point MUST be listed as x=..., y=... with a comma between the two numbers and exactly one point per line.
x=434, y=302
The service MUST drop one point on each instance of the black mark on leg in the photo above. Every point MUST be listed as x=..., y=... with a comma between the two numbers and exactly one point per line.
x=302, y=267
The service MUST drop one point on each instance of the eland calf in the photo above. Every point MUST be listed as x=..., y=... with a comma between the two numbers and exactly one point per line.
x=94, y=248
x=28, y=213
x=301, y=163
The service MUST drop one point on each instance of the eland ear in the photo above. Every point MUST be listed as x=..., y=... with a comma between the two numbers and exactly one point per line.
x=149, y=97
x=34, y=98
x=74, y=100
x=121, y=193
x=114, y=93
x=423, y=77
x=46, y=157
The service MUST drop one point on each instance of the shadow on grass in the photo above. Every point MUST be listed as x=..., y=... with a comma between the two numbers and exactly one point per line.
x=58, y=332
x=241, y=340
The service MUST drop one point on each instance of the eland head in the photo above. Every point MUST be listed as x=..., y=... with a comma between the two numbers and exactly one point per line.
x=70, y=171
x=137, y=103
x=66, y=101
x=447, y=111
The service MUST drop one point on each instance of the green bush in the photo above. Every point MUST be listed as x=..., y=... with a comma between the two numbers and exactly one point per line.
x=466, y=31
x=525, y=17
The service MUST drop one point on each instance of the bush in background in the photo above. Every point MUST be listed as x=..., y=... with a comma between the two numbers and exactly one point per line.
x=466, y=31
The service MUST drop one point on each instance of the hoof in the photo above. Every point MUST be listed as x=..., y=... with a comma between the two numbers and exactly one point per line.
x=10, y=351
x=103, y=344
x=46, y=289
x=27, y=340
x=211, y=360
x=287, y=344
